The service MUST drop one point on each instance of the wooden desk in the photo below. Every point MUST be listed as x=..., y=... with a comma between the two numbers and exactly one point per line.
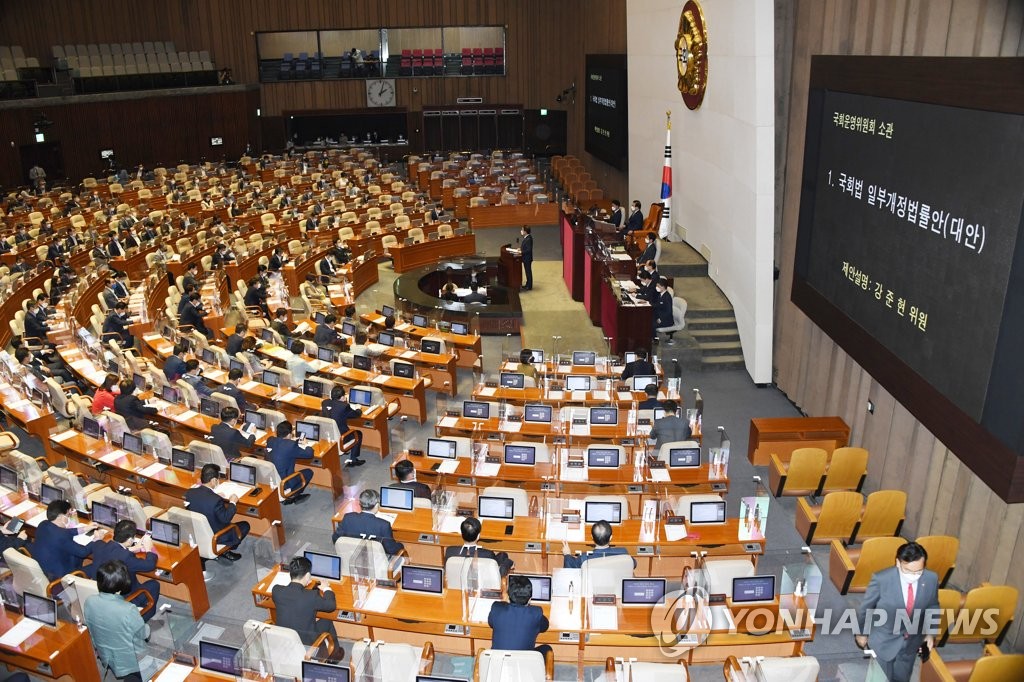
x=781, y=435
x=407, y=258
x=555, y=432
x=61, y=653
x=623, y=399
x=518, y=214
x=35, y=419
x=180, y=572
x=550, y=368
x=468, y=346
x=629, y=325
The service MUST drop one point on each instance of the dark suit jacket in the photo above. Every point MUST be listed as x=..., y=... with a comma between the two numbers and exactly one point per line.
x=255, y=296
x=364, y=524
x=650, y=251
x=215, y=508
x=340, y=411
x=504, y=563
x=635, y=221
x=516, y=627
x=475, y=297
x=281, y=328
x=296, y=608
x=174, y=368
x=236, y=393
x=56, y=550
x=103, y=552
x=326, y=336
x=663, y=309
x=638, y=368
x=616, y=218
x=34, y=328
x=191, y=316
x=284, y=452
x=115, y=324
x=234, y=344
x=577, y=561
x=419, y=489
x=526, y=248
x=230, y=440
x=669, y=430
x=276, y=262
x=196, y=382
x=133, y=410
x=885, y=595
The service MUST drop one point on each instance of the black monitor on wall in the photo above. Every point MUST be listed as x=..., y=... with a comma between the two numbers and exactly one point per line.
x=605, y=109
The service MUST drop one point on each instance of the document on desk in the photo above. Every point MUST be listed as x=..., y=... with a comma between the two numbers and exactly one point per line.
x=573, y=473
x=481, y=609
x=151, y=470
x=601, y=395
x=185, y=416
x=511, y=427
x=578, y=395
x=380, y=379
x=448, y=422
x=37, y=519
x=82, y=365
x=488, y=390
x=402, y=326
x=20, y=632
x=20, y=508
x=151, y=337
x=450, y=524
x=488, y=469
x=290, y=395
x=408, y=354
x=112, y=456
x=579, y=430
x=83, y=539
x=63, y=436
x=249, y=385
x=625, y=396
x=174, y=672
x=449, y=466
x=390, y=518
x=229, y=488
x=554, y=395
x=379, y=600
x=281, y=578
x=563, y=617
x=674, y=532
x=158, y=404
x=660, y=476
x=556, y=530
x=604, y=617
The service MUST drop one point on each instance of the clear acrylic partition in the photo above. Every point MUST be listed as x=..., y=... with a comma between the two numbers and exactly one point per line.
x=255, y=659
x=718, y=457
x=269, y=554
x=802, y=578
x=443, y=504
x=367, y=667
x=509, y=349
x=71, y=601
x=754, y=512
x=441, y=403
x=187, y=532
x=29, y=473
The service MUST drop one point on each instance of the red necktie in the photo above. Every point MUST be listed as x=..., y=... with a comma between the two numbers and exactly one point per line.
x=910, y=597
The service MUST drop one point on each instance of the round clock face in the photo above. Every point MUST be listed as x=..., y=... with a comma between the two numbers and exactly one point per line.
x=380, y=92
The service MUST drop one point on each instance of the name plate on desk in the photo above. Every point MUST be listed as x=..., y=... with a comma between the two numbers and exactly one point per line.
x=571, y=517
x=464, y=511
x=416, y=453
x=675, y=520
x=643, y=421
x=657, y=464
x=604, y=599
x=575, y=464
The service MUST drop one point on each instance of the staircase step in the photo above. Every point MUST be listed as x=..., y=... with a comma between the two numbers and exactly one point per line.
x=722, y=362
x=714, y=334
x=694, y=324
x=701, y=313
x=721, y=348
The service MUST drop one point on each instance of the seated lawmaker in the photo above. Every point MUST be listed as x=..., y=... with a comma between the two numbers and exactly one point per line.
x=671, y=427
x=234, y=343
x=219, y=512
x=231, y=388
x=651, y=402
x=193, y=376
x=174, y=366
x=474, y=295
x=284, y=451
x=115, y=626
x=516, y=624
x=326, y=336
x=135, y=412
x=117, y=322
x=228, y=437
x=366, y=524
x=470, y=530
x=126, y=547
x=639, y=367
x=54, y=546
x=340, y=410
x=601, y=532
x=297, y=604
x=405, y=472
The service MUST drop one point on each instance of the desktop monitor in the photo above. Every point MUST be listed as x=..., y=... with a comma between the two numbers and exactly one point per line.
x=103, y=514
x=324, y=565
x=208, y=407
x=308, y=430
x=324, y=354
x=520, y=454
x=460, y=328
x=257, y=419
x=166, y=532
x=312, y=671
x=536, y=355
x=641, y=381
x=271, y=378
x=313, y=388
x=602, y=511
x=629, y=357
x=48, y=494
x=131, y=443
x=643, y=591
x=604, y=416
x=387, y=311
x=603, y=457
x=91, y=427
x=361, y=362
x=577, y=382
x=419, y=320
x=183, y=459
x=512, y=380
x=472, y=409
x=209, y=357
x=538, y=414
x=496, y=508
x=584, y=357
x=139, y=381
x=242, y=473
x=348, y=328
x=707, y=512
x=218, y=658
x=267, y=335
x=432, y=346
x=440, y=448
x=8, y=478
x=319, y=317
x=659, y=412
x=684, y=457
x=753, y=589
x=386, y=339
x=235, y=364
x=404, y=369
x=396, y=498
x=360, y=396
x=423, y=579
x=40, y=609
x=541, y=588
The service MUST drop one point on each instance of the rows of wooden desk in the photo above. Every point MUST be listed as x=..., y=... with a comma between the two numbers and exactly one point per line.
x=467, y=346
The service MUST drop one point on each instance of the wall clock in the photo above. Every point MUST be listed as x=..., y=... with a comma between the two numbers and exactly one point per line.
x=380, y=92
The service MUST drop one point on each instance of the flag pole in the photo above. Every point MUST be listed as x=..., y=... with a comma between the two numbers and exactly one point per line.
x=665, y=227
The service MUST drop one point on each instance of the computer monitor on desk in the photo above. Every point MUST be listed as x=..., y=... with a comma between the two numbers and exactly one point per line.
x=257, y=419
x=423, y=579
x=327, y=566
x=103, y=514
x=91, y=427
x=441, y=448
x=686, y=458
x=166, y=532
x=271, y=378
x=604, y=416
x=218, y=658
x=602, y=511
x=584, y=357
x=313, y=671
x=755, y=589
x=521, y=454
x=242, y=473
x=472, y=409
x=643, y=591
x=577, y=382
x=361, y=362
x=360, y=396
x=496, y=508
x=308, y=430
x=707, y=513
x=40, y=609
x=460, y=328
x=8, y=478
x=642, y=381
x=387, y=311
x=348, y=328
x=512, y=380
x=538, y=414
x=419, y=320
x=405, y=370
x=131, y=443
x=183, y=459
x=431, y=346
x=603, y=457
x=400, y=499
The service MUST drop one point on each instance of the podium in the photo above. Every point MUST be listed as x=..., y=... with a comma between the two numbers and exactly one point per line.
x=510, y=268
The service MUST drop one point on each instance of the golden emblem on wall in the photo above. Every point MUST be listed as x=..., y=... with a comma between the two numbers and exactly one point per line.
x=692, y=55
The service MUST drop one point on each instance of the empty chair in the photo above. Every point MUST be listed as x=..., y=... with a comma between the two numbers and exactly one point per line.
x=851, y=568
x=207, y=542
x=27, y=575
x=208, y=453
x=846, y=470
x=836, y=518
x=961, y=620
x=942, y=551
x=993, y=666
x=280, y=644
x=722, y=571
x=390, y=662
x=358, y=555
x=648, y=672
x=773, y=669
x=883, y=515
x=604, y=575
x=495, y=665
x=457, y=570
x=801, y=476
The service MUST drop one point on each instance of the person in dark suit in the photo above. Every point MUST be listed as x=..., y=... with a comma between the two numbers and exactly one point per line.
x=54, y=546
x=470, y=530
x=526, y=248
x=516, y=624
x=192, y=315
x=256, y=296
x=221, y=256
x=218, y=511
x=297, y=603
x=193, y=377
x=671, y=427
x=899, y=614
x=284, y=451
x=647, y=287
x=635, y=221
x=601, y=532
x=651, y=402
x=326, y=336
x=405, y=472
x=174, y=366
x=125, y=547
x=326, y=269
x=364, y=524
x=639, y=367
x=650, y=250
x=616, y=217
x=19, y=265
x=338, y=408
x=135, y=412
x=230, y=388
x=662, y=307
x=474, y=295
x=114, y=248
x=120, y=287
x=228, y=437
x=190, y=277
x=280, y=324
x=117, y=323
x=277, y=259
x=234, y=342
x=35, y=324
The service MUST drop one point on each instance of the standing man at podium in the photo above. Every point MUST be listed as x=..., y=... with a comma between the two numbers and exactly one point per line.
x=526, y=247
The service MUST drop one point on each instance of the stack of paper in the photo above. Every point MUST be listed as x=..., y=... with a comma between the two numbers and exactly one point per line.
x=481, y=609
x=448, y=422
x=20, y=632
x=20, y=508
x=489, y=469
x=290, y=395
x=229, y=488
x=186, y=415
x=379, y=600
x=62, y=436
x=625, y=395
x=449, y=466
x=152, y=470
x=488, y=391
x=604, y=617
x=660, y=475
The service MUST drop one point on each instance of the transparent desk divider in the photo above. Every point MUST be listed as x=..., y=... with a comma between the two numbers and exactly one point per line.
x=71, y=601
x=400, y=434
x=754, y=513
x=186, y=531
x=254, y=661
x=363, y=571
x=802, y=579
x=367, y=667
x=443, y=504
x=269, y=554
x=509, y=349
x=441, y=404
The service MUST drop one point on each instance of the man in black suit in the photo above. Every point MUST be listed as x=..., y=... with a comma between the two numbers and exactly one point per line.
x=470, y=530
x=218, y=511
x=35, y=324
x=405, y=472
x=126, y=547
x=193, y=378
x=190, y=277
x=19, y=265
x=192, y=315
x=338, y=408
x=364, y=524
x=526, y=248
x=670, y=428
x=120, y=287
x=135, y=412
x=635, y=221
x=616, y=216
x=114, y=248
x=662, y=307
x=54, y=546
x=234, y=342
x=646, y=288
x=515, y=624
x=474, y=295
x=297, y=603
x=230, y=388
x=228, y=437
x=650, y=250
x=326, y=336
x=639, y=367
x=280, y=323
x=651, y=402
x=277, y=259
x=256, y=296
x=326, y=269
x=117, y=323
x=284, y=451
